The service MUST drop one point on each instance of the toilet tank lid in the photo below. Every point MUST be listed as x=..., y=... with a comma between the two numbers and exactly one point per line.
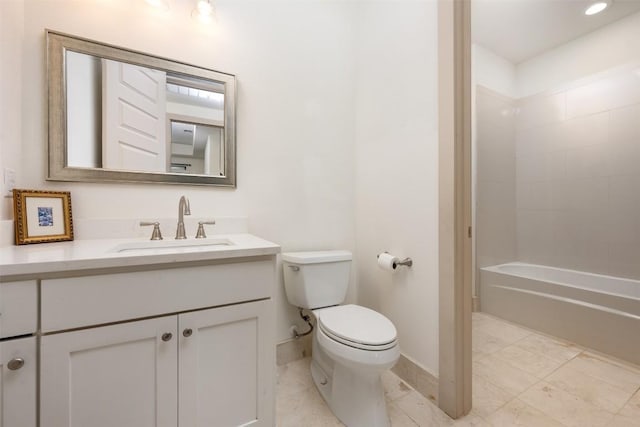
x=316, y=257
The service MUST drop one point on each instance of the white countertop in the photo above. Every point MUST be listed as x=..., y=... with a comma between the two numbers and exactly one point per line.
x=45, y=258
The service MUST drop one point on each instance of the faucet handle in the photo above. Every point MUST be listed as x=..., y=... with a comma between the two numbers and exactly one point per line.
x=200, y=234
x=156, y=234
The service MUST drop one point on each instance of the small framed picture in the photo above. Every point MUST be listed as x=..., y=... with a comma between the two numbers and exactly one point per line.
x=42, y=216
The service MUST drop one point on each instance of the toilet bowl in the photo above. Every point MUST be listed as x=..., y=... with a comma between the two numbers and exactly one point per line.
x=352, y=345
x=347, y=366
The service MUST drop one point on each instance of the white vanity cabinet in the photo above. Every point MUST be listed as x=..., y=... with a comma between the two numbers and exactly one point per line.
x=117, y=375
x=18, y=382
x=225, y=374
x=212, y=367
x=188, y=347
x=18, y=361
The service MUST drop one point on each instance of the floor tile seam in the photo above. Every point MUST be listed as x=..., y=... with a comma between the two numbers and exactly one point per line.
x=628, y=401
x=511, y=365
x=605, y=379
x=498, y=408
x=582, y=350
x=512, y=396
x=403, y=412
x=491, y=353
x=536, y=408
x=500, y=347
x=521, y=339
x=502, y=388
x=528, y=388
x=293, y=393
x=508, y=342
x=428, y=402
x=508, y=362
x=557, y=338
x=542, y=411
x=535, y=354
x=597, y=355
x=409, y=415
x=590, y=404
x=563, y=364
x=612, y=360
x=392, y=400
x=601, y=380
x=580, y=399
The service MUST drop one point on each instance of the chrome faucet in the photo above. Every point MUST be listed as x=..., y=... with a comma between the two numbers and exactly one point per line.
x=183, y=209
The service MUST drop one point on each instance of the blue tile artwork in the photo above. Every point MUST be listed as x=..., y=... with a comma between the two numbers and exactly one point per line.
x=45, y=216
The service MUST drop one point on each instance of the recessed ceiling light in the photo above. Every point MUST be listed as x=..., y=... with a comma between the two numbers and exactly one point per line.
x=596, y=8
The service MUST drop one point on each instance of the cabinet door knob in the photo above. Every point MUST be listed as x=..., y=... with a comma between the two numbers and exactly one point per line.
x=15, y=364
x=167, y=336
x=187, y=332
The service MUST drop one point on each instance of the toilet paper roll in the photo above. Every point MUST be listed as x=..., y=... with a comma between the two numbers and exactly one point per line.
x=387, y=262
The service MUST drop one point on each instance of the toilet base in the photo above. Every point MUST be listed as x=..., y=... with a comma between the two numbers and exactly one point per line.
x=356, y=397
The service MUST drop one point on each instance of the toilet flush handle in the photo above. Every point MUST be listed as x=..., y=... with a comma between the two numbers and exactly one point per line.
x=294, y=267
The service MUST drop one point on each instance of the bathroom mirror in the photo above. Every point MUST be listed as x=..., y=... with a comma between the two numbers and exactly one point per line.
x=119, y=115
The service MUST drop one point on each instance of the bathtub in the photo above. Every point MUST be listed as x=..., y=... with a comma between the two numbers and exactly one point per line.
x=593, y=310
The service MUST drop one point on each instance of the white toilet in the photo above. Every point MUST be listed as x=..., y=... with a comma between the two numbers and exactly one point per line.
x=352, y=345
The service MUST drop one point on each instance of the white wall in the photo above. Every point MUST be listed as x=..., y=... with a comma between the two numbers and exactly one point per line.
x=601, y=50
x=11, y=55
x=492, y=71
x=397, y=168
x=294, y=64
x=319, y=84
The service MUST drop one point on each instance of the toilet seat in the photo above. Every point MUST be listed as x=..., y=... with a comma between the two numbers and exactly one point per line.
x=357, y=327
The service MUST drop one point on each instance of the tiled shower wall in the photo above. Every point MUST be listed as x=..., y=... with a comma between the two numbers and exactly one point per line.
x=496, y=178
x=578, y=176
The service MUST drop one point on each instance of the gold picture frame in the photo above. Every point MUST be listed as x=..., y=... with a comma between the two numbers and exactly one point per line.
x=42, y=216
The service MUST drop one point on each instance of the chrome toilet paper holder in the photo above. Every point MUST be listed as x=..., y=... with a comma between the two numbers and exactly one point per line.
x=407, y=262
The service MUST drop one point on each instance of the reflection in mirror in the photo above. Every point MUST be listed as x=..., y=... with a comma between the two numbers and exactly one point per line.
x=117, y=115
x=196, y=148
x=134, y=117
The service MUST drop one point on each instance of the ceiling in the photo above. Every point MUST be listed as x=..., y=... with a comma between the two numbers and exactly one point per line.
x=521, y=29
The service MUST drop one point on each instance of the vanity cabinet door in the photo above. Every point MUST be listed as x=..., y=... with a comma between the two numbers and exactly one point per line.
x=227, y=363
x=122, y=375
x=18, y=383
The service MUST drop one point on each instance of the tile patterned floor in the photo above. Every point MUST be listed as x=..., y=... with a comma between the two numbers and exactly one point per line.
x=520, y=379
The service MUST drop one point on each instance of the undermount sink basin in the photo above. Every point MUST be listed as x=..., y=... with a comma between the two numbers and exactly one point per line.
x=171, y=246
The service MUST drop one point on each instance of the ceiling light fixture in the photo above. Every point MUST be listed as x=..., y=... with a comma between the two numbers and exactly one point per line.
x=596, y=8
x=204, y=11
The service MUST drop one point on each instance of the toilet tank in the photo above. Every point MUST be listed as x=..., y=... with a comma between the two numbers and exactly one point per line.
x=316, y=279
